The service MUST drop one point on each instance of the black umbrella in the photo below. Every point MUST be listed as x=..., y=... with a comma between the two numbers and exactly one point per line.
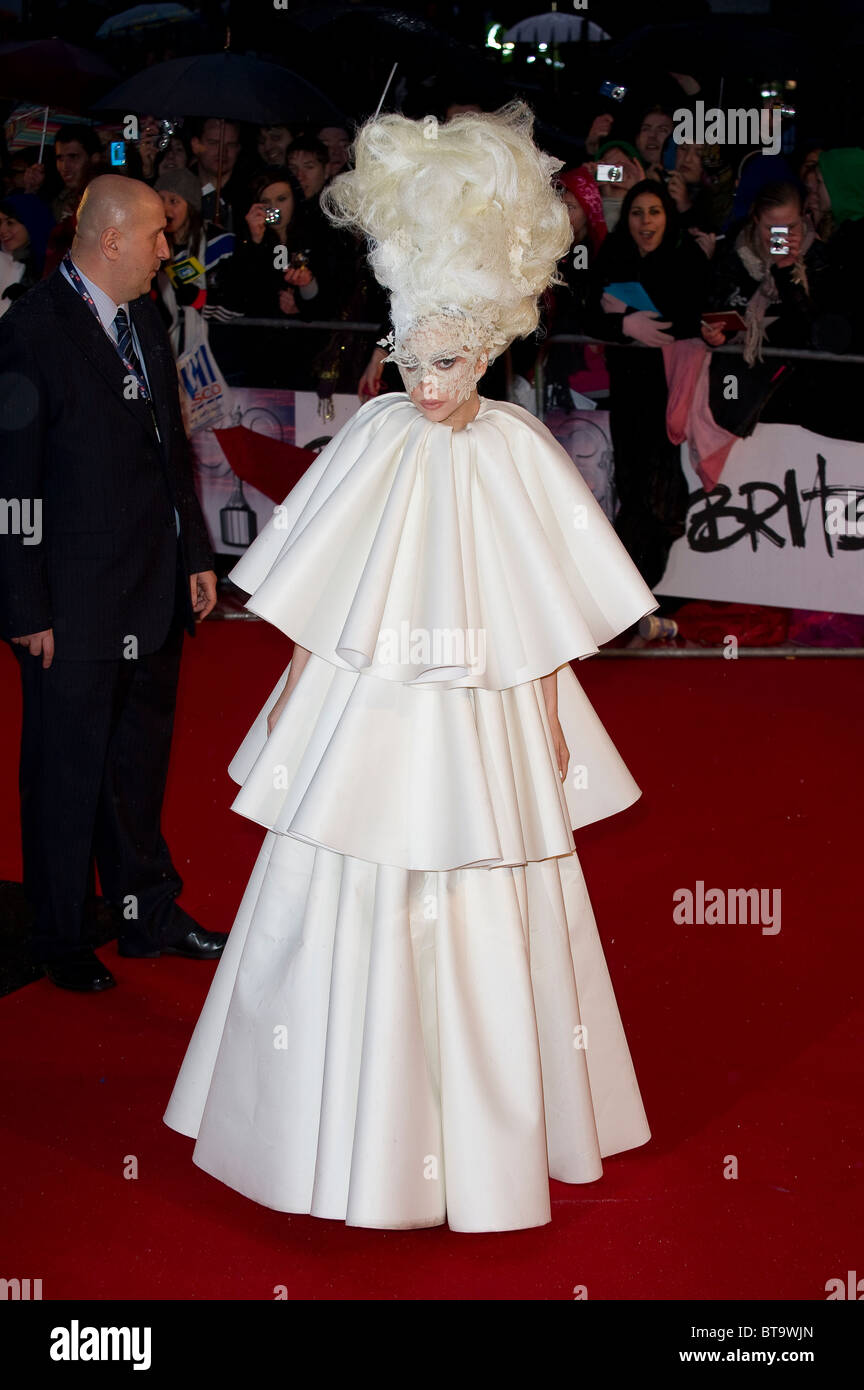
x=53, y=72
x=380, y=22
x=727, y=45
x=392, y=35
x=229, y=85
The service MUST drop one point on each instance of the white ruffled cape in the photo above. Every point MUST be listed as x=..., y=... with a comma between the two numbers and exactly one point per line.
x=417, y=923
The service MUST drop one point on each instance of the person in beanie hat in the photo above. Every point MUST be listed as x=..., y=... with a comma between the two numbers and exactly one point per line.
x=37, y=218
x=25, y=222
x=581, y=190
x=195, y=276
x=183, y=183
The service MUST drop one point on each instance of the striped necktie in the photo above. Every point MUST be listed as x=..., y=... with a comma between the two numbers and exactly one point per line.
x=126, y=348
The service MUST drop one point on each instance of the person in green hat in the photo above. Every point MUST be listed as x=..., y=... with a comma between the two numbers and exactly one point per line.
x=836, y=189
x=626, y=157
x=836, y=203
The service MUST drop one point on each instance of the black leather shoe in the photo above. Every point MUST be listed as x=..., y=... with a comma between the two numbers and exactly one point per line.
x=196, y=942
x=82, y=971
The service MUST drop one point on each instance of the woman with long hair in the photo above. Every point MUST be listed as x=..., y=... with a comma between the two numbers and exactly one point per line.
x=649, y=249
x=279, y=271
x=779, y=276
x=194, y=280
x=25, y=225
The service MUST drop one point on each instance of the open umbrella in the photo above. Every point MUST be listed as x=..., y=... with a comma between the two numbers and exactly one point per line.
x=421, y=50
x=30, y=125
x=382, y=24
x=230, y=85
x=53, y=71
x=142, y=17
x=727, y=45
x=555, y=28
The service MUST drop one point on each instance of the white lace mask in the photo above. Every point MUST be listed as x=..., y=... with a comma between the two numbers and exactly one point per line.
x=443, y=355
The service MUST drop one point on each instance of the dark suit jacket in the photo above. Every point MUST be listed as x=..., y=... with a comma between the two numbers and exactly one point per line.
x=106, y=568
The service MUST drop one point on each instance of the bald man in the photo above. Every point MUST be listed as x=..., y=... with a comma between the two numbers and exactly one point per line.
x=104, y=563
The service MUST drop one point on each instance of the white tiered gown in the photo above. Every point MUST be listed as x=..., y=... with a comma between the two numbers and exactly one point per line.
x=413, y=1020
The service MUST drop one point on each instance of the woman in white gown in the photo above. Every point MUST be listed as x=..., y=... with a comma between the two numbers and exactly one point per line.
x=413, y=1021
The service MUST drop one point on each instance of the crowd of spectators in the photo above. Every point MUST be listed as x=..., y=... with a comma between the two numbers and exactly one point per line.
x=694, y=225
x=222, y=263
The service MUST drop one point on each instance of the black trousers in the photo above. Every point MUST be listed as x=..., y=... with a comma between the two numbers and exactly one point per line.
x=95, y=744
x=651, y=487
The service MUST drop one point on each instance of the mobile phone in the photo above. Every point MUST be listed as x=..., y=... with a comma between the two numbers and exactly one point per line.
x=779, y=243
x=613, y=91
x=609, y=173
x=272, y=216
x=118, y=154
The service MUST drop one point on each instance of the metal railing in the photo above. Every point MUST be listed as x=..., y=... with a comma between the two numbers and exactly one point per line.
x=557, y=339
x=730, y=349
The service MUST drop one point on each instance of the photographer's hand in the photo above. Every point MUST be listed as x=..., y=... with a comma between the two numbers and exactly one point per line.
x=256, y=223
x=299, y=276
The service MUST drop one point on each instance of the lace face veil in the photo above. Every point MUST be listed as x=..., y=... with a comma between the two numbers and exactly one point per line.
x=445, y=353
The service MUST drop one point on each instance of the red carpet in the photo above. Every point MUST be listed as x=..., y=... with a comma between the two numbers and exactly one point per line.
x=747, y=1046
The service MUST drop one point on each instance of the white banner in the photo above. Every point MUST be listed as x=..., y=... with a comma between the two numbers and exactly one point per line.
x=204, y=396
x=784, y=526
x=287, y=416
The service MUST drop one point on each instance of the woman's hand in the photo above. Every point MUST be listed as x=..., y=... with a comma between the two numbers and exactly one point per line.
x=549, y=687
x=793, y=237
x=600, y=128
x=276, y=712
x=677, y=190
x=610, y=304
x=295, y=671
x=562, y=752
x=256, y=223
x=706, y=241
x=647, y=328
x=370, y=381
x=300, y=276
x=148, y=151
x=714, y=334
x=287, y=302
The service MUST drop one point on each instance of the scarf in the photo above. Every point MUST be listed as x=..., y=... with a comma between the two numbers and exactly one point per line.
x=758, y=264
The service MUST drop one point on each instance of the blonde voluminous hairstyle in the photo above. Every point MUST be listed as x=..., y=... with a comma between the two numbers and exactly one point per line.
x=461, y=216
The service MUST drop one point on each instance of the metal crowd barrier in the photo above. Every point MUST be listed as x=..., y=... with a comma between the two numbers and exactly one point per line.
x=352, y=326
